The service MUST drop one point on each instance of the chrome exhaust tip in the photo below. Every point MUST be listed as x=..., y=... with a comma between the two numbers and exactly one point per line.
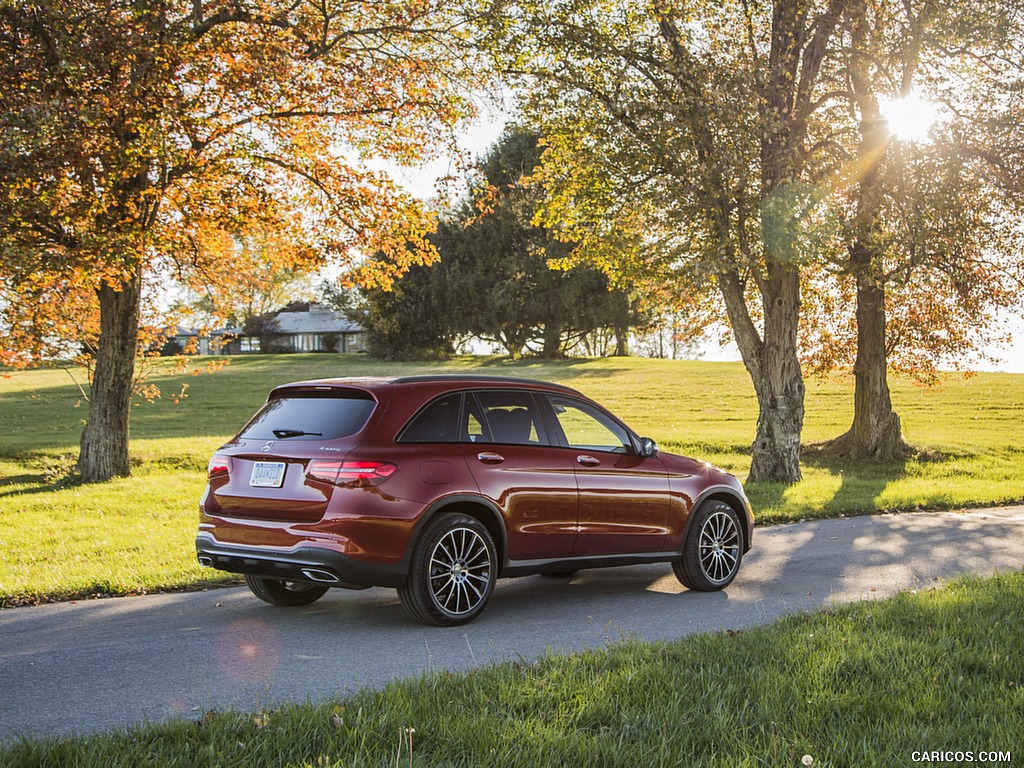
x=320, y=576
x=206, y=560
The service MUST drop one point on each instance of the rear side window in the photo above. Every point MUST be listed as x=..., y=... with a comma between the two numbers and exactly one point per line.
x=439, y=422
x=512, y=418
x=310, y=417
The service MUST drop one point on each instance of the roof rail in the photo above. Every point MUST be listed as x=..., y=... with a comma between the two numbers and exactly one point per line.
x=468, y=377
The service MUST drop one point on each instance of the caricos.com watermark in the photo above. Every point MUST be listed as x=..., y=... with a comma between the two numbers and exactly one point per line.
x=960, y=756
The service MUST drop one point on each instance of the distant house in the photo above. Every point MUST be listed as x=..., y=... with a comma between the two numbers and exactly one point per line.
x=318, y=329
x=221, y=341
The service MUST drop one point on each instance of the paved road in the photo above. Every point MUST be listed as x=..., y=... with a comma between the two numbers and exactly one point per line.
x=93, y=665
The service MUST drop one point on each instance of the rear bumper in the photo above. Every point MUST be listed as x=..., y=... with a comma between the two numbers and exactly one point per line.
x=302, y=563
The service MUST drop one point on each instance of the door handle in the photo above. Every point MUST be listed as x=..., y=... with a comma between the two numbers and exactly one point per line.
x=490, y=458
x=588, y=461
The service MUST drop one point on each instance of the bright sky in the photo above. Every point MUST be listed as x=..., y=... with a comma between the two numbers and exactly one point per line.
x=1011, y=357
x=422, y=182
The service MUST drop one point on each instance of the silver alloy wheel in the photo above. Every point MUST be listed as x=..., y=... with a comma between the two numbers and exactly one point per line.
x=719, y=547
x=460, y=571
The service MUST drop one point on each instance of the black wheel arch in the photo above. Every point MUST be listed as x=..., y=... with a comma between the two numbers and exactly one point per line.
x=728, y=495
x=478, y=507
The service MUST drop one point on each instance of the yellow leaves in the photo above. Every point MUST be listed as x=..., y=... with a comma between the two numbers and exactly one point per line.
x=487, y=197
x=176, y=399
x=150, y=392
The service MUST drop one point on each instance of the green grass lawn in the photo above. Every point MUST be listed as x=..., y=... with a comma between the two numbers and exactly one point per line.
x=868, y=684
x=135, y=534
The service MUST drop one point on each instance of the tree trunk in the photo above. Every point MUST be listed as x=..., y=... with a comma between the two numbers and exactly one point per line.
x=774, y=368
x=780, y=388
x=875, y=433
x=511, y=339
x=104, y=446
x=621, y=341
x=552, y=340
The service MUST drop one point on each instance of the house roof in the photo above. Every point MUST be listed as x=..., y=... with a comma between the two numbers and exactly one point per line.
x=318, y=319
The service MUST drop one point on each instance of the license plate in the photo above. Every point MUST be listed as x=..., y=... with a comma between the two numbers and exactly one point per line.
x=267, y=474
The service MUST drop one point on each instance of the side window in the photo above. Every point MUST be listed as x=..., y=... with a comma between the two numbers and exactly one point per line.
x=587, y=428
x=512, y=418
x=438, y=422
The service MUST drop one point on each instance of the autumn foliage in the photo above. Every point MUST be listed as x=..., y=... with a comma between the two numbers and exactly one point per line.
x=139, y=139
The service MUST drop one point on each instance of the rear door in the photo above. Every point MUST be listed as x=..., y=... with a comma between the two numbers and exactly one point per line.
x=623, y=497
x=270, y=470
x=533, y=482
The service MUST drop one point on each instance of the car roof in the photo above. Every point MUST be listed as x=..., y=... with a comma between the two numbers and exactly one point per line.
x=441, y=382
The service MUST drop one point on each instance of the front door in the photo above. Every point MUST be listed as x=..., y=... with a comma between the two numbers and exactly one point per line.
x=623, y=497
x=530, y=480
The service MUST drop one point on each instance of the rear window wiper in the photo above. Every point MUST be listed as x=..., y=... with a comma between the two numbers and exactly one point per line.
x=284, y=433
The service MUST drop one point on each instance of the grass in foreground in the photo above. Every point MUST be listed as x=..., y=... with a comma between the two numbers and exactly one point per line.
x=862, y=685
x=136, y=534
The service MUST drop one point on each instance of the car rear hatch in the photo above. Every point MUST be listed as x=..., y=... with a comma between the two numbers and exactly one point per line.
x=285, y=463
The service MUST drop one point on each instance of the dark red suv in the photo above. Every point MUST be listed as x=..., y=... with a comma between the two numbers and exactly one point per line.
x=438, y=485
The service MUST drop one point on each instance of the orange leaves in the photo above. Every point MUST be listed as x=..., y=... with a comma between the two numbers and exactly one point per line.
x=177, y=142
x=934, y=320
x=149, y=392
x=43, y=315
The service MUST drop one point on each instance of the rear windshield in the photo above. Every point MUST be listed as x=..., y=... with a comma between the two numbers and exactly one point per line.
x=310, y=417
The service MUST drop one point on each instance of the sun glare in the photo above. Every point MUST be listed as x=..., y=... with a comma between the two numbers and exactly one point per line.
x=910, y=117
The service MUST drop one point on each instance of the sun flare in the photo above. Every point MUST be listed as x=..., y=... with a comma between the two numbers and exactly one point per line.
x=910, y=117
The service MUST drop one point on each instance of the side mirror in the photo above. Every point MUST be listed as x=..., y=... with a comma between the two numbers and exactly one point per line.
x=648, y=448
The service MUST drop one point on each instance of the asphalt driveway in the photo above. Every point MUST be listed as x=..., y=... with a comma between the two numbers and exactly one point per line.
x=99, y=664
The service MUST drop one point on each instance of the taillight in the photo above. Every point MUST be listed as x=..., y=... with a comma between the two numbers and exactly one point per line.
x=323, y=470
x=365, y=470
x=350, y=472
x=219, y=466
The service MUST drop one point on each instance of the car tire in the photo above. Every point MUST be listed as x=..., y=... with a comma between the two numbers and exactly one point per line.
x=278, y=592
x=451, y=573
x=713, y=549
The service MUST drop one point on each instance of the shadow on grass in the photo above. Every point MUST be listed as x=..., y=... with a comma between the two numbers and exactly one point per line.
x=766, y=496
x=21, y=480
x=548, y=368
x=862, y=482
x=861, y=486
x=40, y=484
x=45, y=474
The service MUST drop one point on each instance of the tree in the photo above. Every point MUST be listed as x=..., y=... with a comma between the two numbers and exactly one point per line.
x=739, y=145
x=409, y=321
x=931, y=252
x=265, y=328
x=493, y=280
x=685, y=133
x=136, y=134
x=497, y=263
